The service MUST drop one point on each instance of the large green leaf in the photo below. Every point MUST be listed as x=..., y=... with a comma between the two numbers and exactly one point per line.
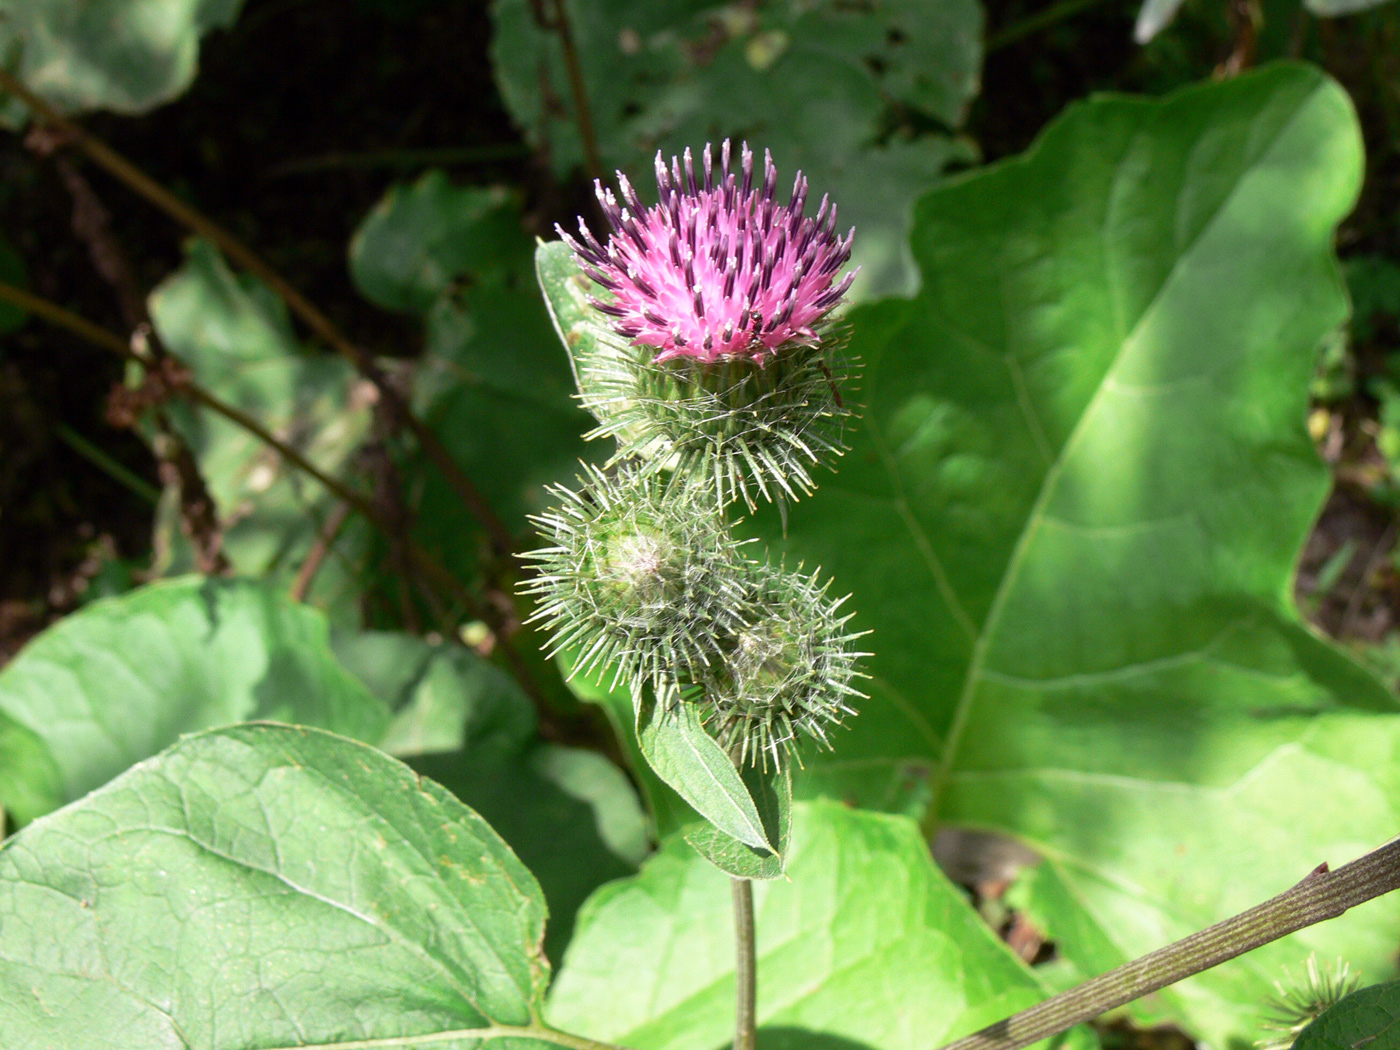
x=1071, y=516
x=819, y=84
x=570, y=815
x=121, y=678
x=237, y=339
x=265, y=886
x=864, y=941
x=124, y=55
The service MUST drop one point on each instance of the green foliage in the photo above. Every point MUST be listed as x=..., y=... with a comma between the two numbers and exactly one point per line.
x=569, y=814
x=1369, y=1018
x=237, y=340
x=491, y=382
x=264, y=886
x=1070, y=515
x=124, y=55
x=1071, y=520
x=820, y=84
x=652, y=963
x=122, y=678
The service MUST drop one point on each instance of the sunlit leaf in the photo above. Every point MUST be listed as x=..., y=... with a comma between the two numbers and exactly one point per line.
x=1071, y=516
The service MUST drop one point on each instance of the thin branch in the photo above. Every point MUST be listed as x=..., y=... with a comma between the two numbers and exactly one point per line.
x=558, y=21
x=1321, y=895
x=99, y=336
x=316, y=556
x=118, y=472
x=1044, y=19
x=143, y=185
x=745, y=967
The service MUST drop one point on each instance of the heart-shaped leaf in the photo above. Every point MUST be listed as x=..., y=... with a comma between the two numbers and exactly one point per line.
x=266, y=886
x=1071, y=516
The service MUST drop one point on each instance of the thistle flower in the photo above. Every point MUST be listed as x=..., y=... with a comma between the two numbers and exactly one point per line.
x=718, y=268
x=788, y=671
x=718, y=353
x=641, y=576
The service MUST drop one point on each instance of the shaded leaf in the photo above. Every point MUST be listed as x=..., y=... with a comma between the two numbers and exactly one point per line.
x=820, y=84
x=444, y=697
x=264, y=886
x=1071, y=517
x=864, y=941
x=122, y=678
x=492, y=383
x=237, y=339
x=128, y=56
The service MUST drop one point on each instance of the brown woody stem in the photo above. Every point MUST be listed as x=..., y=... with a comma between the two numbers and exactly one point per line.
x=1321, y=895
x=144, y=186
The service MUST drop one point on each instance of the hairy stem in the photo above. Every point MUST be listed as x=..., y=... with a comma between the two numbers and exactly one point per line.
x=144, y=186
x=1321, y=895
x=745, y=967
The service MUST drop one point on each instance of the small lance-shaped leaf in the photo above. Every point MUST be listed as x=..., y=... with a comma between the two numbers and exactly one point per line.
x=120, y=679
x=682, y=754
x=771, y=791
x=1071, y=516
x=1368, y=1019
x=124, y=55
x=265, y=886
x=575, y=322
x=864, y=944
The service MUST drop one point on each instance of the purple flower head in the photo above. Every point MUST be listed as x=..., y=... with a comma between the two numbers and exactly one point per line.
x=718, y=269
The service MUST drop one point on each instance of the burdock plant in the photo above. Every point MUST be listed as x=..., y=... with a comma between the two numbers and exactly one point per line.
x=704, y=342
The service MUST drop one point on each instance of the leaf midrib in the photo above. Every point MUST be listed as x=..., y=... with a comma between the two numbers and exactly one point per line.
x=972, y=678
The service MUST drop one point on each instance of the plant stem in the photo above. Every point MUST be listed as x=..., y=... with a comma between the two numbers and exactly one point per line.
x=583, y=112
x=1321, y=895
x=745, y=967
x=105, y=463
x=1035, y=23
x=143, y=185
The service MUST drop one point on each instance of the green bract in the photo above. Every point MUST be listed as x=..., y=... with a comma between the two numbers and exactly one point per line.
x=746, y=429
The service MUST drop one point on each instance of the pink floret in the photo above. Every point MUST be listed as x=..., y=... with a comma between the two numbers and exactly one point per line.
x=718, y=268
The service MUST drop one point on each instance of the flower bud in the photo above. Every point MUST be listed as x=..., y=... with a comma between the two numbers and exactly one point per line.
x=641, y=576
x=788, y=671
